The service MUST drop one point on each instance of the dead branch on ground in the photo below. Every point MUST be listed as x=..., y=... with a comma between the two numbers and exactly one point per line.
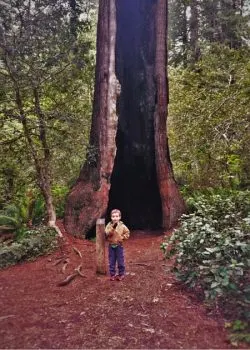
x=65, y=264
x=70, y=278
x=59, y=261
x=77, y=252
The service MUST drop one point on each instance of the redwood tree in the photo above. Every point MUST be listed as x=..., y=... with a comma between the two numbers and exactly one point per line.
x=128, y=164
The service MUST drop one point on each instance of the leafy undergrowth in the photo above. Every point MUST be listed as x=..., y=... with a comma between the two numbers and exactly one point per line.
x=211, y=250
x=28, y=245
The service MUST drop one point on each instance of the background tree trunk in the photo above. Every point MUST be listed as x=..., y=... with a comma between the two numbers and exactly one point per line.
x=194, y=31
x=141, y=177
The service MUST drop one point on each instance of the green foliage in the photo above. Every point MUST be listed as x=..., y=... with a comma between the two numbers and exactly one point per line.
x=47, y=46
x=59, y=196
x=8, y=221
x=33, y=244
x=240, y=332
x=38, y=211
x=30, y=207
x=195, y=25
x=211, y=249
x=209, y=119
x=24, y=208
x=14, y=215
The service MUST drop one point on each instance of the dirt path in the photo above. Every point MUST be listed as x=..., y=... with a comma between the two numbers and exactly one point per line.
x=147, y=310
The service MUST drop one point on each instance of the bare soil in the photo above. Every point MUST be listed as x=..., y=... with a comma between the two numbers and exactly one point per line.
x=147, y=310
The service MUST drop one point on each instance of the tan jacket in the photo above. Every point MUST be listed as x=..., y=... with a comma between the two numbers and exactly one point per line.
x=117, y=235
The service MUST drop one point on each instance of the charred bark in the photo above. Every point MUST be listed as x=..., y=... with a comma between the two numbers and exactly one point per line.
x=130, y=169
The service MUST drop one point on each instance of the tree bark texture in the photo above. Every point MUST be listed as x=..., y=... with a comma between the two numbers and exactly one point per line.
x=172, y=202
x=89, y=196
x=129, y=165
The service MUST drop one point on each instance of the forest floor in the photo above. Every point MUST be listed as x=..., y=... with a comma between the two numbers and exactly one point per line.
x=147, y=310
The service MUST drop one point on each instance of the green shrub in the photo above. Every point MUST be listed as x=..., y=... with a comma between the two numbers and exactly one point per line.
x=38, y=212
x=59, y=195
x=12, y=215
x=30, y=206
x=211, y=249
x=8, y=221
x=35, y=243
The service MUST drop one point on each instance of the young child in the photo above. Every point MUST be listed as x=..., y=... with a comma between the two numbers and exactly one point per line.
x=116, y=233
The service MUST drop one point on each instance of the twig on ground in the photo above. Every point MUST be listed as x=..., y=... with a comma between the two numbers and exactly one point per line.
x=65, y=264
x=143, y=308
x=59, y=261
x=77, y=252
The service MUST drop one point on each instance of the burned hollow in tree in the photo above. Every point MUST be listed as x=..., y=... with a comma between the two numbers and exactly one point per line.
x=130, y=167
x=134, y=187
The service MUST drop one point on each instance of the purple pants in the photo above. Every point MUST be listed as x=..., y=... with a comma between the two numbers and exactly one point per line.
x=116, y=255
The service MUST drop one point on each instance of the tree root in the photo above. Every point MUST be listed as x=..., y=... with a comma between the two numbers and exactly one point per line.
x=70, y=278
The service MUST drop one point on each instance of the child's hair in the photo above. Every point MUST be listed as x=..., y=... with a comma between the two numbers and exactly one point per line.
x=116, y=211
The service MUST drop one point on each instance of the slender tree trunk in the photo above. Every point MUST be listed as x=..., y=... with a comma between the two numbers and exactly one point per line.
x=211, y=26
x=43, y=169
x=194, y=31
x=128, y=165
x=73, y=17
x=42, y=166
x=184, y=35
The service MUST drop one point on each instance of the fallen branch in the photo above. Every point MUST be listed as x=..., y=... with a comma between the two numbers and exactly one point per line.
x=77, y=252
x=142, y=307
x=59, y=257
x=59, y=261
x=7, y=316
x=79, y=272
x=65, y=264
x=70, y=278
x=140, y=264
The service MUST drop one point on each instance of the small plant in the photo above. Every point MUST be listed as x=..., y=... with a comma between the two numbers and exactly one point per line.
x=240, y=332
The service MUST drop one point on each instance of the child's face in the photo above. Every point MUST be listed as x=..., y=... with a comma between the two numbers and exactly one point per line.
x=115, y=217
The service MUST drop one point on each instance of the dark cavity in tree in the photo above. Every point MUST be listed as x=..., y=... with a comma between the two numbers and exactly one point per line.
x=134, y=188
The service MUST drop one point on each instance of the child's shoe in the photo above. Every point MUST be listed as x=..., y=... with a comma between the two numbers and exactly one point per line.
x=112, y=278
x=120, y=277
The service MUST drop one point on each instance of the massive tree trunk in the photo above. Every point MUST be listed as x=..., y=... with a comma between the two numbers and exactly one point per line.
x=128, y=165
